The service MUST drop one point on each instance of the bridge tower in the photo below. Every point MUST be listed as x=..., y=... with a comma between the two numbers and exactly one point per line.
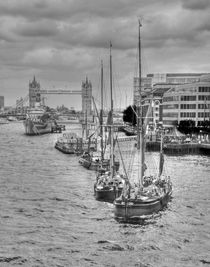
x=34, y=93
x=87, y=97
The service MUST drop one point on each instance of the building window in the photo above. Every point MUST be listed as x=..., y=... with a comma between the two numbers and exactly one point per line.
x=204, y=89
x=187, y=114
x=170, y=115
x=203, y=114
x=188, y=106
x=204, y=97
x=203, y=106
x=188, y=98
x=172, y=106
x=170, y=98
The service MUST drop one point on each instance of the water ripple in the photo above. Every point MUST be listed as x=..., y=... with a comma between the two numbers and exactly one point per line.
x=49, y=217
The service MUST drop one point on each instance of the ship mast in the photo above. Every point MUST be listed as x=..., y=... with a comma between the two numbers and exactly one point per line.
x=101, y=113
x=140, y=133
x=111, y=119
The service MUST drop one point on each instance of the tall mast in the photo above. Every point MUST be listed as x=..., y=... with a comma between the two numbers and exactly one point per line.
x=101, y=113
x=111, y=119
x=140, y=133
x=111, y=93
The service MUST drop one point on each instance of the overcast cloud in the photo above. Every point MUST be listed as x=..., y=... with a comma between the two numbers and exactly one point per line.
x=63, y=41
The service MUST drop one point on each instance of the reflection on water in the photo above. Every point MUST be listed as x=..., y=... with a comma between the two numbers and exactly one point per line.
x=49, y=217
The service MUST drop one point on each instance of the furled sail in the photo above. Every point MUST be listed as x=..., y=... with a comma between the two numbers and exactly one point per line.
x=161, y=163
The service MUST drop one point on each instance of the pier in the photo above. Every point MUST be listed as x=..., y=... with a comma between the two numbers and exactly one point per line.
x=189, y=148
x=179, y=149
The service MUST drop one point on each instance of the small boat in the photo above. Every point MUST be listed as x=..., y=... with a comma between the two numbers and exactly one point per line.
x=66, y=148
x=68, y=143
x=108, y=187
x=148, y=194
x=71, y=143
x=12, y=118
x=94, y=162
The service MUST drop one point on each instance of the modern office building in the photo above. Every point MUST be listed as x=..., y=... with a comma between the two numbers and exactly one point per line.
x=174, y=77
x=162, y=80
x=1, y=102
x=189, y=101
x=146, y=88
x=175, y=97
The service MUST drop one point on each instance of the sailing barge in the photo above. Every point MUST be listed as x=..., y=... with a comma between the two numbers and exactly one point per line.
x=147, y=195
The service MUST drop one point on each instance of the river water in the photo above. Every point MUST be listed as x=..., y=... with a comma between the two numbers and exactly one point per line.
x=49, y=217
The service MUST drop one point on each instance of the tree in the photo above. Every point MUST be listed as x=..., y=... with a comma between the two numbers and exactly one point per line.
x=187, y=126
x=205, y=126
x=129, y=115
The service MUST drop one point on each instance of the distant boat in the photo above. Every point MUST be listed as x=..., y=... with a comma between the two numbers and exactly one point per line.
x=38, y=121
x=67, y=144
x=12, y=118
x=149, y=194
x=71, y=143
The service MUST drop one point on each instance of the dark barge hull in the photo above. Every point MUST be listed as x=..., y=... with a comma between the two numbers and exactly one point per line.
x=107, y=195
x=133, y=210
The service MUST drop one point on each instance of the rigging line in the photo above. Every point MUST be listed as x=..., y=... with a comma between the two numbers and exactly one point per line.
x=134, y=111
x=89, y=136
x=131, y=162
x=120, y=152
x=132, y=155
x=122, y=159
x=155, y=164
x=117, y=87
x=97, y=113
x=165, y=166
x=99, y=82
x=141, y=116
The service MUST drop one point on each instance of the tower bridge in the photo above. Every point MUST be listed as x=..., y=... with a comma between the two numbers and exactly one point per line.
x=36, y=93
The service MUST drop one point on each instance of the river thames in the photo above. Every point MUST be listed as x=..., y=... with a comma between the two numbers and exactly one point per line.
x=49, y=217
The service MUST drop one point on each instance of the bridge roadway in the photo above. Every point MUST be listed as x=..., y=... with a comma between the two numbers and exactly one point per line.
x=61, y=92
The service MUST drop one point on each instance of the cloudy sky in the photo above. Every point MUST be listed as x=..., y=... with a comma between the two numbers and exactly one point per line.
x=63, y=41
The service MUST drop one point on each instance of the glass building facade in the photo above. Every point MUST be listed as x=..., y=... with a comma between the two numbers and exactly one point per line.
x=187, y=102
